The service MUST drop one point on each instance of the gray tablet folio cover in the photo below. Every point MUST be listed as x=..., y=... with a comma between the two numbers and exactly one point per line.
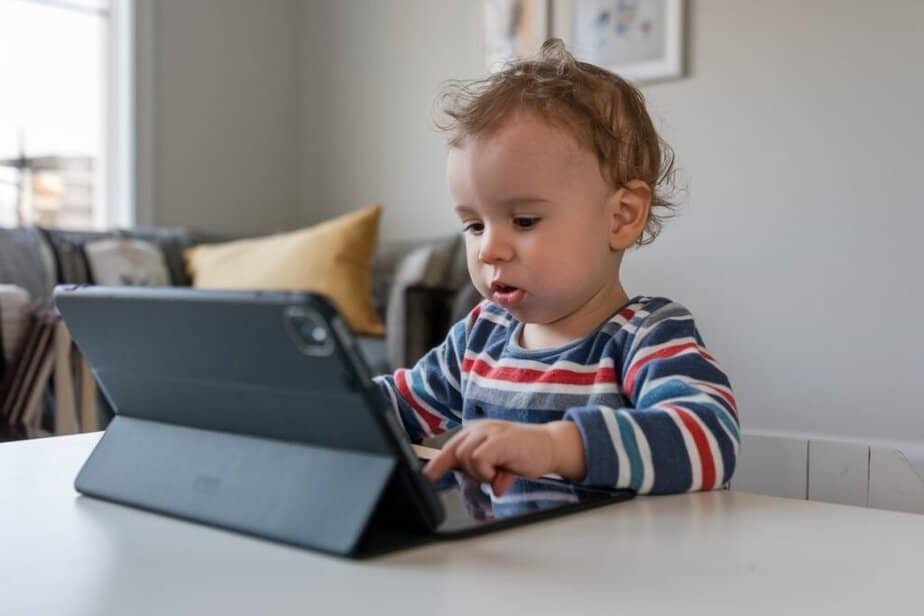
x=243, y=410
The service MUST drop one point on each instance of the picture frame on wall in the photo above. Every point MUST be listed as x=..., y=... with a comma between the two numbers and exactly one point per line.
x=513, y=29
x=640, y=40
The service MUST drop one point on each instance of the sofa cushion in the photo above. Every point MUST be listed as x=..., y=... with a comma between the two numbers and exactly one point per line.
x=15, y=309
x=464, y=301
x=126, y=262
x=384, y=265
x=173, y=242
x=73, y=265
x=332, y=258
x=374, y=352
x=69, y=256
x=26, y=260
x=417, y=320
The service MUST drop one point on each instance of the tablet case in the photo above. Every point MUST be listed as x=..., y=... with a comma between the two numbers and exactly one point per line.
x=238, y=410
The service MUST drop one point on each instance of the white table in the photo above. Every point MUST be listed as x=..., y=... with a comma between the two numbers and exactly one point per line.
x=715, y=553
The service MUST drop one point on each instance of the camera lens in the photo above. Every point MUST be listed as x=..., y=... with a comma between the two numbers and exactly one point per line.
x=314, y=333
x=311, y=334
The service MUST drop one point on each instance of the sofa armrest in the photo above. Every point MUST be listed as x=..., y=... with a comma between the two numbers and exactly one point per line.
x=427, y=320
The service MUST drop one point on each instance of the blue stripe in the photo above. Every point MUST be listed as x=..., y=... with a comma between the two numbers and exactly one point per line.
x=635, y=459
x=599, y=454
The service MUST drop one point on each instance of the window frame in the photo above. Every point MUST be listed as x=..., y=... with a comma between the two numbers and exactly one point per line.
x=129, y=163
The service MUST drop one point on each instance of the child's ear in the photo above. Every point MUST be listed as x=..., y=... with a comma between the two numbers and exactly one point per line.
x=629, y=207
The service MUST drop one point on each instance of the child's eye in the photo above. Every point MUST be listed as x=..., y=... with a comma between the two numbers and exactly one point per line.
x=474, y=227
x=525, y=222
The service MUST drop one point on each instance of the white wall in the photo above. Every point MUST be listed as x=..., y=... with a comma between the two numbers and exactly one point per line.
x=800, y=131
x=226, y=133
x=370, y=72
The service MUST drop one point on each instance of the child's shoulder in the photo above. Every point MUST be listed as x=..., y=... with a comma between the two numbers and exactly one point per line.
x=644, y=313
x=486, y=310
x=484, y=322
x=487, y=319
x=642, y=308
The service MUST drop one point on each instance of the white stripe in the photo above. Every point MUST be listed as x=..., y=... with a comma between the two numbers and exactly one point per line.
x=551, y=388
x=643, y=331
x=696, y=383
x=445, y=370
x=423, y=424
x=429, y=390
x=700, y=396
x=644, y=450
x=494, y=318
x=525, y=364
x=696, y=466
x=698, y=351
x=655, y=348
x=711, y=402
x=629, y=326
x=528, y=364
x=622, y=481
x=394, y=404
x=713, y=448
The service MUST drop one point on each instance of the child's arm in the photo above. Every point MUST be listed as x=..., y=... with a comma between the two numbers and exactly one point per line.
x=681, y=431
x=427, y=397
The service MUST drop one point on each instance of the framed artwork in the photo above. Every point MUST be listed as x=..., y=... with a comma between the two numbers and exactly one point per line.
x=640, y=40
x=513, y=29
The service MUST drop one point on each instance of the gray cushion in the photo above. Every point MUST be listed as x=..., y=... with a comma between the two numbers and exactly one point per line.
x=172, y=242
x=72, y=261
x=375, y=352
x=127, y=262
x=438, y=265
x=69, y=256
x=464, y=300
x=26, y=260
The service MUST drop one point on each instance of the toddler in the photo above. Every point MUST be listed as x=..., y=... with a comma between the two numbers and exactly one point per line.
x=555, y=170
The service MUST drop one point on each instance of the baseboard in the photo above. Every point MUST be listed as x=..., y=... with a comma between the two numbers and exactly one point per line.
x=846, y=472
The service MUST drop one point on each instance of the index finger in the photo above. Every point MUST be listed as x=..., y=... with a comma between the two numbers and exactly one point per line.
x=442, y=462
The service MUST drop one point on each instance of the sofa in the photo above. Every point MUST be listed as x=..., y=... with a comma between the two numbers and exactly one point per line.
x=419, y=288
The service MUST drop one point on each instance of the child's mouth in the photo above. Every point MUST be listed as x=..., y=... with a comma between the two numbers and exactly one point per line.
x=506, y=295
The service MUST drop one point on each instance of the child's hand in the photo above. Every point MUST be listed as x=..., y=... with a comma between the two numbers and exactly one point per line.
x=497, y=451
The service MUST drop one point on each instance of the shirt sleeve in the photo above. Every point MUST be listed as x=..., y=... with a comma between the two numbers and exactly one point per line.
x=428, y=397
x=680, y=431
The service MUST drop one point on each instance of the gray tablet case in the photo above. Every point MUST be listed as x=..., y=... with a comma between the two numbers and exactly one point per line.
x=250, y=411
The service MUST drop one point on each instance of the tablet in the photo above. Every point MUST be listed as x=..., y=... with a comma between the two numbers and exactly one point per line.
x=255, y=412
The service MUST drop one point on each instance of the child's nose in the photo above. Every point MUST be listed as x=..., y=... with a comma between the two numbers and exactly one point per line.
x=494, y=247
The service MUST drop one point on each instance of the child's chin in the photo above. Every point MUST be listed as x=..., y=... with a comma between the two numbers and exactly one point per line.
x=522, y=313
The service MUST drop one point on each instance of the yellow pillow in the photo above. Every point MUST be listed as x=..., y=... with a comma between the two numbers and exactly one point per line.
x=332, y=258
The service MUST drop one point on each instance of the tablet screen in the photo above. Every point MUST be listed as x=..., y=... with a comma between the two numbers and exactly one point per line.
x=471, y=506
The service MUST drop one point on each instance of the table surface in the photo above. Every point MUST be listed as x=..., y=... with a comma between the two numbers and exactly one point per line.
x=708, y=553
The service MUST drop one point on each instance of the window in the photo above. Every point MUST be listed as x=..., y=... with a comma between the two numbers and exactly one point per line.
x=59, y=112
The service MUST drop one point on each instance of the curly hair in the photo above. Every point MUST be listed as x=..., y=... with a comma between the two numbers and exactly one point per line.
x=602, y=111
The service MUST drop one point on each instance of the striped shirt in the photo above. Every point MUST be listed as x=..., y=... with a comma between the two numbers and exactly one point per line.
x=655, y=411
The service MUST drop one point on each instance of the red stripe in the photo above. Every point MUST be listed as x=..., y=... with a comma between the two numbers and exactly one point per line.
x=557, y=376
x=627, y=314
x=404, y=389
x=473, y=315
x=666, y=352
x=702, y=445
x=730, y=399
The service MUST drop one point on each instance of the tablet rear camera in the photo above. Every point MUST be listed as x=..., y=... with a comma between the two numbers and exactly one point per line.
x=310, y=332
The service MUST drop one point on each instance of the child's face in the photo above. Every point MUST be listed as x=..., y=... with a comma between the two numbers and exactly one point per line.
x=534, y=207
